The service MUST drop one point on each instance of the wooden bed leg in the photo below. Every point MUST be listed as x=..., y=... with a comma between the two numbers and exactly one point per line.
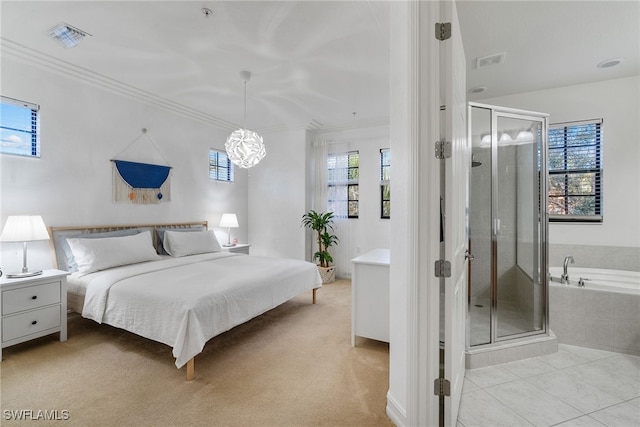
x=191, y=369
x=314, y=295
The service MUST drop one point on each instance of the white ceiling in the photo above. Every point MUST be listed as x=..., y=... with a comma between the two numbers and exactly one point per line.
x=548, y=43
x=314, y=63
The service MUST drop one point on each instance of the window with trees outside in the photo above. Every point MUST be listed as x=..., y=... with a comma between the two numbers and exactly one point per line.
x=575, y=172
x=19, y=127
x=343, y=195
x=220, y=167
x=385, y=183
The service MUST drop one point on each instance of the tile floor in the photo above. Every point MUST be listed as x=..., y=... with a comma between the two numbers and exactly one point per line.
x=574, y=387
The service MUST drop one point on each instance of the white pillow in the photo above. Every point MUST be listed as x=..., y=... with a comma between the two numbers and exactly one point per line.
x=99, y=254
x=178, y=244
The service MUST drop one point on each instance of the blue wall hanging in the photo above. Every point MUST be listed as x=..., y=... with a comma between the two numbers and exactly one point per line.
x=140, y=183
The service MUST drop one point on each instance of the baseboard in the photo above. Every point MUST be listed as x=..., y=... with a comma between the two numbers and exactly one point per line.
x=395, y=412
x=511, y=350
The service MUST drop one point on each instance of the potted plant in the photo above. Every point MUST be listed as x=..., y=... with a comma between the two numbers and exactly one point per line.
x=322, y=224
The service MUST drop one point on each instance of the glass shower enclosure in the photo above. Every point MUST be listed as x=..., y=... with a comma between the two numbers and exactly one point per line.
x=508, y=285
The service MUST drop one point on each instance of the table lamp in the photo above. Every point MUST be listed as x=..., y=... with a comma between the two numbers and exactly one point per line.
x=229, y=220
x=24, y=228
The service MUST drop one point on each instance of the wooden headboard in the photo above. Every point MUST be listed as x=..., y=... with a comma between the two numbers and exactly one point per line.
x=59, y=234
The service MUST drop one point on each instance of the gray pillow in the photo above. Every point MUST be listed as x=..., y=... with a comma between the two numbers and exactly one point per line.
x=160, y=231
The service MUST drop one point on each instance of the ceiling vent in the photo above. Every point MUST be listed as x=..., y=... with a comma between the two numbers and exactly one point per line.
x=67, y=35
x=494, y=59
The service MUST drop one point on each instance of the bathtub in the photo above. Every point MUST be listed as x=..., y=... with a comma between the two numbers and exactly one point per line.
x=604, y=314
x=626, y=282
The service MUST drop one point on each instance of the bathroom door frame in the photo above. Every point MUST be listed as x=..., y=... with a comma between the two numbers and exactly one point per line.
x=454, y=186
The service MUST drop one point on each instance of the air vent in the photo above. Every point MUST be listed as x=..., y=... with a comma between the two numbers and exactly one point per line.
x=494, y=59
x=67, y=35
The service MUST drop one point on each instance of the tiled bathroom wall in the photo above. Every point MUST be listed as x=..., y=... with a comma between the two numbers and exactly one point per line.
x=597, y=319
x=609, y=257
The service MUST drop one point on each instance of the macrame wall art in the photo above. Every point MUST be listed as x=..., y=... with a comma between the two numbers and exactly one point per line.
x=140, y=183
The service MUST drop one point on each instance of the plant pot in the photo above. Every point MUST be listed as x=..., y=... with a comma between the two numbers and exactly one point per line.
x=328, y=274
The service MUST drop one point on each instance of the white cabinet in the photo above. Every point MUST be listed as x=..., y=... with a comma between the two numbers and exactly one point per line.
x=240, y=248
x=370, y=296
x=33, y=307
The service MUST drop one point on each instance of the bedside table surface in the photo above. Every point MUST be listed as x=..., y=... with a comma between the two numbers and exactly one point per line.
x=46, y=274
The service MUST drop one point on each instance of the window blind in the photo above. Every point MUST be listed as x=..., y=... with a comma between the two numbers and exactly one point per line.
x=385, y=183
x=575, y=171
x=19, y=127
x=220, y=167
x=343, y=172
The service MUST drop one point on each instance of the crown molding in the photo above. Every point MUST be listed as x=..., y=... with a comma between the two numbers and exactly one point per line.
x=66, y=69
x=42, y=60
x=353, y=124
x=318, y=128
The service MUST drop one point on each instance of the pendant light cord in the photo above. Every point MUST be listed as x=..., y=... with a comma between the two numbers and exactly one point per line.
x=244, y=124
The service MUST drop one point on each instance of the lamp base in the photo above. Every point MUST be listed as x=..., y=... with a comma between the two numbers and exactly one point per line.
x=24, y=274
x=228, y=245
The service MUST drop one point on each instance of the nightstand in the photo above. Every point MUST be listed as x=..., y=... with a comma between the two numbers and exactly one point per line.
x=33, y=307
x=240, y=248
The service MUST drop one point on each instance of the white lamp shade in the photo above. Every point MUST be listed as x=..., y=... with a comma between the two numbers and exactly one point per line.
x=24, y=228
x=245, y=148
x=229, y=220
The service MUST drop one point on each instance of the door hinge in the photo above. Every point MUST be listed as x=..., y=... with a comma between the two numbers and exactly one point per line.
x=443, y=149
x=443, y=30
x=442, y=268
x=442, y=387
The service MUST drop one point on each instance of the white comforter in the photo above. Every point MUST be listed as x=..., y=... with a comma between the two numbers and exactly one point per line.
x=184, y=302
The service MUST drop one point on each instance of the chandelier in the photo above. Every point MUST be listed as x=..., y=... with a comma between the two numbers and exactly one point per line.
x=244, y=147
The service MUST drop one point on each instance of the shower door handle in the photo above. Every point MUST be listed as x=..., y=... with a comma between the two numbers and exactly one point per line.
x=468, y=255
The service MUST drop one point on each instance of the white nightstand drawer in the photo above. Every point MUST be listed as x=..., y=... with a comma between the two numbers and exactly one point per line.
x=30, y=322
x=16, y=300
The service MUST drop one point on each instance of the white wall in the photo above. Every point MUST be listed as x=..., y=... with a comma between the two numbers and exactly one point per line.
x=414, y=127
x=82, y=128
x=617, y=102
x=277, y=195
x=401, y=215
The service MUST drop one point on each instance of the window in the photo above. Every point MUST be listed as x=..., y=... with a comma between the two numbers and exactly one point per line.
x=343, y=192
x=19, y=128
x=220, y=167
x=385, y=183
x=575, y=172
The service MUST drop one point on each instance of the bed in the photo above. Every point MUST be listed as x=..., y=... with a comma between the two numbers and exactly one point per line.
x=172, y=283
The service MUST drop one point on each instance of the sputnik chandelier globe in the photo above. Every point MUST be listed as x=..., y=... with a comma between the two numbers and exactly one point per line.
x=244, y=147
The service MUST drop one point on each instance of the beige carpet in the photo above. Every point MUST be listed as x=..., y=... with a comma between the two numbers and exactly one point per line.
x=292, y=366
